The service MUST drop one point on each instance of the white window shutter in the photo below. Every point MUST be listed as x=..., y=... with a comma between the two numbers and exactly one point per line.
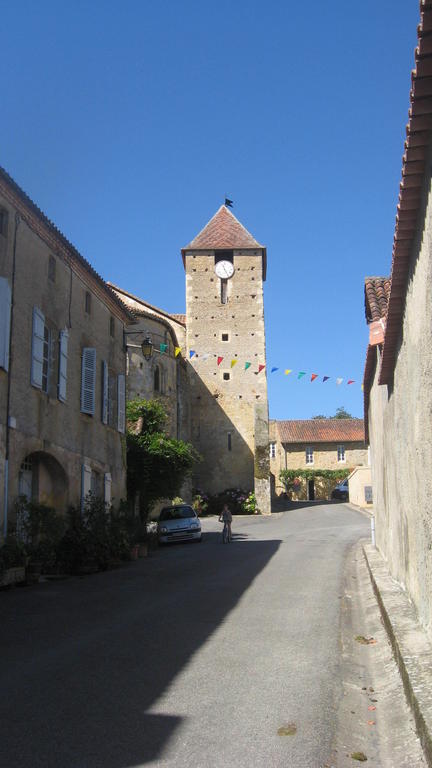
x=63, y=357
x=86, y=475
x=121, y=404
x=105, y=392
x=88, y=380
x=107, y=488
x=37, y=347
x=5, y=313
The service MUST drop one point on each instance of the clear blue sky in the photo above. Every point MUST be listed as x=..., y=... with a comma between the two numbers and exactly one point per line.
x=127, y=123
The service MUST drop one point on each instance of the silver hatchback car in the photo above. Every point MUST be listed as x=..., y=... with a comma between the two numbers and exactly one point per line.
x=178, y=523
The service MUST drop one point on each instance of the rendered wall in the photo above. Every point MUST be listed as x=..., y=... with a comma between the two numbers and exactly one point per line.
x=401, y=439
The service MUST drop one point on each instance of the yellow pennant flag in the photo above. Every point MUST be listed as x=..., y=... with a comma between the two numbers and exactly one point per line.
x=287, y=371
x=233, y=362
x=177, y=351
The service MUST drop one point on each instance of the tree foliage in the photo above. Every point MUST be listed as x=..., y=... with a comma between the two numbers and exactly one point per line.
x=341, y=413
x=290, y=476
x=157, y=464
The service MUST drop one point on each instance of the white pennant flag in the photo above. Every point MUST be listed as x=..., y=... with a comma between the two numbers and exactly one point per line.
x=339, y=381
x=205, y=356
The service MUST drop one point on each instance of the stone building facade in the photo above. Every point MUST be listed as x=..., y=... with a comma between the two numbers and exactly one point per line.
x=62, y=366
x=336, y=444
x=398, y=371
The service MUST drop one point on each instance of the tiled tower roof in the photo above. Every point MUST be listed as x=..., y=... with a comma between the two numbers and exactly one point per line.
x=222, y=232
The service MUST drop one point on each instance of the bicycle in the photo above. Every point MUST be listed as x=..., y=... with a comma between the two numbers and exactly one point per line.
x=226, y=536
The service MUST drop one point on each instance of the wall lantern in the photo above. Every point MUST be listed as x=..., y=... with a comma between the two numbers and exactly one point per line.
x=147, y=348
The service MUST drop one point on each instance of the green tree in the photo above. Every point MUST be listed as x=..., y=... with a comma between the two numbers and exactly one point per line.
x=157, y=464
x=341, y=413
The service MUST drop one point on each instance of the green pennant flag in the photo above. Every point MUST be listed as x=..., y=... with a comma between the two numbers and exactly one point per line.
x=302, y=373
x=247, y=365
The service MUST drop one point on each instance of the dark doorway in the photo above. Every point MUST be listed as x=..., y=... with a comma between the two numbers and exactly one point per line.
x=311, y=490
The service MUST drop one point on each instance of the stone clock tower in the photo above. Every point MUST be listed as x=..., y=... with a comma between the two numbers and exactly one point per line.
x=225, y=338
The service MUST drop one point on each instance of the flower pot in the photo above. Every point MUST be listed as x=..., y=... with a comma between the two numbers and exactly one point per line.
x=14, y=575
x=134, y=552
x=142, y=549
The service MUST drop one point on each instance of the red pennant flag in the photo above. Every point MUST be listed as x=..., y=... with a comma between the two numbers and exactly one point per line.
x=350, y=381
x=314, y=376
x=219, y=360
x=261, y=368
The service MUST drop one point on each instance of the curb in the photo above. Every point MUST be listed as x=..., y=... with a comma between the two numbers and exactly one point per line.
x=411, y=647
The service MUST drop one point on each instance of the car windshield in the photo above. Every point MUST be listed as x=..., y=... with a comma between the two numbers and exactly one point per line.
x=176, y=513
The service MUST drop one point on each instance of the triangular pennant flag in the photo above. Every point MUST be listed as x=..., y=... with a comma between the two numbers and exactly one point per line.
x=326, y=378
x=362, y=386
x=163, y=347
x=351, y=381
x=314, y=376
x=339, y=381
x=233, y=362
x=247, y=365
x=261, y=368
x=274, y=369
x=219, y=360
x=302, y=373
x=192, y=353
x=177, y=351
x=205, y=356
x=288, y=371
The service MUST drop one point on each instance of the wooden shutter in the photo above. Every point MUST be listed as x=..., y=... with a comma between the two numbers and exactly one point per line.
x=5, y=312
x=105, y=392
x=37, y=348
x=88, y=380
x=86, y=475
x=107, y=488
x=121, y=404
x=63, y=357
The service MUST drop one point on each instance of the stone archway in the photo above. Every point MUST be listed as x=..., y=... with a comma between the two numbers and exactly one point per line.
x=42, y=479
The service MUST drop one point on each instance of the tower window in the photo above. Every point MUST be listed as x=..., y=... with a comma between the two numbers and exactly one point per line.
x=224, y=256
x=226, y=376
x=224, y=291
x=225, y=337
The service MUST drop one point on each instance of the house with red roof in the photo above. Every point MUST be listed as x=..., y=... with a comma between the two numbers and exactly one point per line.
x=398, y=370
x=316, y=444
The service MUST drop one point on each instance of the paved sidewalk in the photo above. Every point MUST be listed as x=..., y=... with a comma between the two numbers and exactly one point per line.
x=411, y=646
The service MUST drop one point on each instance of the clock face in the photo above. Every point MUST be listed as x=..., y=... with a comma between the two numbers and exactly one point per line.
x=224, y=269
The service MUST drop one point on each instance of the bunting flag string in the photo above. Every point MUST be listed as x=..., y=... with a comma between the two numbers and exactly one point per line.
x=163, y=348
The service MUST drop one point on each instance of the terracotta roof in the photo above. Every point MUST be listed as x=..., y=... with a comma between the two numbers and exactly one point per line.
x=181, y=319
x=16, y=195
x=321, y=431
x=377, y=290
x=414, y=169
x=222, y=232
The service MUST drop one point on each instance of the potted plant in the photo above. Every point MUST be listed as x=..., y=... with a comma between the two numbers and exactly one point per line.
x=12, y=562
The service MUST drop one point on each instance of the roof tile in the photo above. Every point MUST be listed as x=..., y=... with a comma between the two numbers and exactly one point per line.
x=321, y=430
x=223, y=231
x=377, y=292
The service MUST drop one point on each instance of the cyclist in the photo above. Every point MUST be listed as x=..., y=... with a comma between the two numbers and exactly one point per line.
x=225, y=517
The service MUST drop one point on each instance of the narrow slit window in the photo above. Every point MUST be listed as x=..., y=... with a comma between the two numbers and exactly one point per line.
x=226, y=376
x=229, y=441
x=224, y=291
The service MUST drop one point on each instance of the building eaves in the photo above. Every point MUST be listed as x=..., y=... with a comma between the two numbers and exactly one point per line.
x=414, y=172
x=18, y=194
x=321, y=430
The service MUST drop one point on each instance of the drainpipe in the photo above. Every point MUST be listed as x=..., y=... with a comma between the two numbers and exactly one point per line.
x=9, y=379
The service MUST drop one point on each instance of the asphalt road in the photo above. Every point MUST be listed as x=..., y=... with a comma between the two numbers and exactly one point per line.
x=196, y=656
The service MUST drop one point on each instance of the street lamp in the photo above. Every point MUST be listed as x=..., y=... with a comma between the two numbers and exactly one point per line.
x=147, y=348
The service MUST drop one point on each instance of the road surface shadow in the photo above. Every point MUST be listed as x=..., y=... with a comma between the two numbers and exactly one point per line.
x=84, y=661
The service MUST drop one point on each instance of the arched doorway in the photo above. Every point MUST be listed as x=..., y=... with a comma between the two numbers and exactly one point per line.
x=41, y=478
